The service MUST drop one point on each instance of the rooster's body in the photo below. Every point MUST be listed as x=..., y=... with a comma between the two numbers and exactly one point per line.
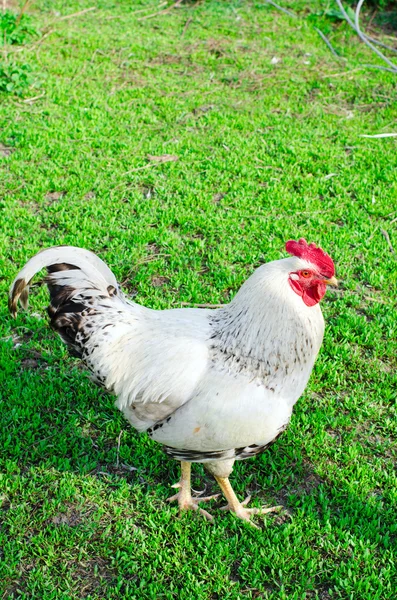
x=211, y=386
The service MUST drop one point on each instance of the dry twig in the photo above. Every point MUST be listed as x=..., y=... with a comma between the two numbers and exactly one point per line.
x=135, y=12
x=23, y=9
x=154, y=162
x=33, y=99
x=202, y=305
x=190, y=19
x=148, y=166
x=161, y=12
x=76, y=14
x=163, y=158
x=387, y=238
x=284, y=10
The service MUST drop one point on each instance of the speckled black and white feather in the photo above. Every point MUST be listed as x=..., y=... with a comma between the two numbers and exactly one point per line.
x=222, y=455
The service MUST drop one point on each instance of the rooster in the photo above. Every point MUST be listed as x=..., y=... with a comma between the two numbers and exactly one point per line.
x=211, y=385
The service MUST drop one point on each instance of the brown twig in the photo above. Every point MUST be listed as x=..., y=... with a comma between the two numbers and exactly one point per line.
x=33, y=99
x=153, y=163
x=134, y=12
x=76, y=14
x=387, y=238
x=23, y=9
x=140, y=168
x=202, y=305
x=372, y=299
x=342, y=74
x=148, y=166
x=372, y=18
x=161, y=12
x=147, y=8
x=50, y=31
x=190, y=19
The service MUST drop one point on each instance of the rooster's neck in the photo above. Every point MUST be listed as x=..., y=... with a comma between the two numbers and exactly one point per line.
x=267, y=330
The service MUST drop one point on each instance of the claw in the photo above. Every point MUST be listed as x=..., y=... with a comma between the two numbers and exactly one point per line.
x=184, y=496
x=245, y=513
x=238, y=508
x=187, y=502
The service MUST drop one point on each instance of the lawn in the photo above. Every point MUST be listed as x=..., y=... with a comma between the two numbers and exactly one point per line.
x=262, y=127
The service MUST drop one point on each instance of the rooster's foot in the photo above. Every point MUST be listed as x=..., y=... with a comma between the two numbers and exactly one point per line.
x=184, y=496
x=245, y=513
x=237, y=507
x=187, y=502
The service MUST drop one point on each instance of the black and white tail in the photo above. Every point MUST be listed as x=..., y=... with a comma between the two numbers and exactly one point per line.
x=80, y=285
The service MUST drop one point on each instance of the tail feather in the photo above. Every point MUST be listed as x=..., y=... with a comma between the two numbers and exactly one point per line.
x=77, y=279
x=57, y=260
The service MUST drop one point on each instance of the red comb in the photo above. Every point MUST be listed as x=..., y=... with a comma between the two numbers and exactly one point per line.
x=311, y=253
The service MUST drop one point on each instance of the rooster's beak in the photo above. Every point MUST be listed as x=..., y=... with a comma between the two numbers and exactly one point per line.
x=333, y=281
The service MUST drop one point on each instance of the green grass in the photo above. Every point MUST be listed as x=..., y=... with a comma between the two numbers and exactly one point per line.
x=266, y=151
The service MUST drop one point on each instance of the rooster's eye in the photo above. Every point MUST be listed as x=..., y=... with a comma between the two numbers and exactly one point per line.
x=305, y=273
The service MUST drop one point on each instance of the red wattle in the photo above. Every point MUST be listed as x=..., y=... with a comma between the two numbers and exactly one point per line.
x=314, y=293
x=310, y=295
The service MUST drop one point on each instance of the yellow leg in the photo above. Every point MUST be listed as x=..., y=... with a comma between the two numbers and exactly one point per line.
x=184, y=496
x=234, y=505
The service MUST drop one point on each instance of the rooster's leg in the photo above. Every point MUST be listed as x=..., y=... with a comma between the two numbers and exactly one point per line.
x=184, y=496
x=238, y=507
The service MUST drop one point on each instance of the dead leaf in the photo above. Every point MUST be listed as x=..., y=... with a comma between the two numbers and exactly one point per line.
x=72, y=518
x=216, y=198
x=153, y=249
x=159, y=281
x=203, y=109
x=53, y=196
x=30, y=363
x=163, y=158
x=6, y=150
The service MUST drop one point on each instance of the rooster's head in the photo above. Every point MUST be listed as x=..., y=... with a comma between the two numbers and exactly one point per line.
x=318, y=270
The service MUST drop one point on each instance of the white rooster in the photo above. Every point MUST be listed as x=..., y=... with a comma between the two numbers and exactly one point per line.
x=211, y=386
